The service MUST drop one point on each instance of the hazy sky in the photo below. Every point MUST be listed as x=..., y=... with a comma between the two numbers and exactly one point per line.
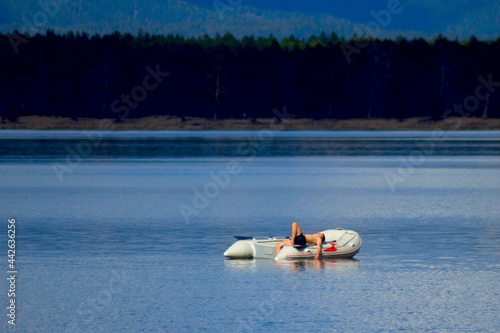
x=424, y=15
x=481, y=17
x=458, y=18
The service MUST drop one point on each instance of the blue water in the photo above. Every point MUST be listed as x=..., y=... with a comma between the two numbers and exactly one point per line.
x=104, y=242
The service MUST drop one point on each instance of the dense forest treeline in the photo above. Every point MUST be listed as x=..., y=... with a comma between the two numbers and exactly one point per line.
x=127, y=76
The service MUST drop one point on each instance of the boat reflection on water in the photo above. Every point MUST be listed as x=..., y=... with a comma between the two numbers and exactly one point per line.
x=294, y=265
x=328, y=264
x=246, y=264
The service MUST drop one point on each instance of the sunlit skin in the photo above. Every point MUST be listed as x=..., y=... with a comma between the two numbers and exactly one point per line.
x=310, y=239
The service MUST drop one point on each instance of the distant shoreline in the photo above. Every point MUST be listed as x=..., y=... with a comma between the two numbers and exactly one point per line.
x=192, y=123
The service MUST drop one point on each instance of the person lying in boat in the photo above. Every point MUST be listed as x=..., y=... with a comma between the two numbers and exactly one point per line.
x=299, y=239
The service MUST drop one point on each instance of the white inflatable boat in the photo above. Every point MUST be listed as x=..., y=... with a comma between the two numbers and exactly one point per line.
x=338, y=243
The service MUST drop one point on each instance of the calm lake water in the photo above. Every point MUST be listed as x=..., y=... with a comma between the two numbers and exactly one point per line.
x=124, y=231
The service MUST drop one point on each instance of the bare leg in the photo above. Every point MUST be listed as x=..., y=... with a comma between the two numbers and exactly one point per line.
x=289, y=242
x=280, y=245
x=295, y=231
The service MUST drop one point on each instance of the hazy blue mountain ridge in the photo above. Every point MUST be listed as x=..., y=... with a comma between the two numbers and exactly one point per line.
x=426, y=18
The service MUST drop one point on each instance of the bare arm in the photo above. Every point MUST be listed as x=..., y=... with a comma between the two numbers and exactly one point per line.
x=318, y=245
